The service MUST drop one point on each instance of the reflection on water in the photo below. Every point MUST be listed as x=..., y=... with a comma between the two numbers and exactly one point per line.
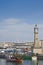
x=25, y=62
x=41, y=62
x=12, y=63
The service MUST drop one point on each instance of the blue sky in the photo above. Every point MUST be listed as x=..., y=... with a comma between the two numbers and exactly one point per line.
x=18, y=17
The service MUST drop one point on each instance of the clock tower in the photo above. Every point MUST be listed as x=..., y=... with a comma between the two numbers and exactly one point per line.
x=36, y=40
x=37, y=47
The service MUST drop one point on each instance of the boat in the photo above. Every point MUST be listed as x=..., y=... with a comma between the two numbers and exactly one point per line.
x=34, y=58
x=10, y=59
x=13, y=59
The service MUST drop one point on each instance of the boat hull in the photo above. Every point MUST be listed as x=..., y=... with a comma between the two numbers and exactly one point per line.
x=11, y=60
x=19, y=60
x=15, y=60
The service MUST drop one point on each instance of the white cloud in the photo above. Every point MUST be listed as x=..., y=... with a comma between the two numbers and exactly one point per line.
x=16, y=29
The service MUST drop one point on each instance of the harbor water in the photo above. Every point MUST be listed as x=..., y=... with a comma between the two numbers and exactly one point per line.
x=25, y=62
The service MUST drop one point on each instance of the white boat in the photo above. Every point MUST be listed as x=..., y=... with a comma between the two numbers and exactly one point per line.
x=34, y=58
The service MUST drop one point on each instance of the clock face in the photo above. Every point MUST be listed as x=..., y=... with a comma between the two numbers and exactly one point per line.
x=36, y=30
